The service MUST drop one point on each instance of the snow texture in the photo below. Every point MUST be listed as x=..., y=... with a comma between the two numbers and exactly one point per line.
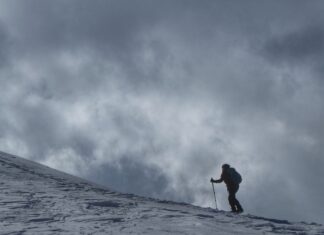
x=35, y=199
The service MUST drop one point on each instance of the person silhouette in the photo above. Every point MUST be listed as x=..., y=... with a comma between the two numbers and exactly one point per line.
x=232, y=179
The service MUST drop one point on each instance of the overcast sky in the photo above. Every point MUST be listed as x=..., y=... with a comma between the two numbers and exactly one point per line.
x=152, y=97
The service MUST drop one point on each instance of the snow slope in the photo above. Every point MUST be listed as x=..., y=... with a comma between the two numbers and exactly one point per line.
x=35, y=199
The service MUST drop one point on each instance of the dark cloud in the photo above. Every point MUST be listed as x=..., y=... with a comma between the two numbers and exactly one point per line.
x=297, y=47
x=151, y=98
x=4, y=45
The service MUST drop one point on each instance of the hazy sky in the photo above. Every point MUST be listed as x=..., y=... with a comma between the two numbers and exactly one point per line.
x=151, y=97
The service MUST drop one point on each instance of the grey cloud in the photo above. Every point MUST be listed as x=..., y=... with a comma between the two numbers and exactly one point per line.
x=111, y=29
x=297, y=47
x=129, y=174
x=152, y=98
x=4, y=45
x=43, y=124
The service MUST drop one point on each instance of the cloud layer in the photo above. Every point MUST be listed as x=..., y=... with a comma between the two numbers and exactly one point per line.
x=151, y=98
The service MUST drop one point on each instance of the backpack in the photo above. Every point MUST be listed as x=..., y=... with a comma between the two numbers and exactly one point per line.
x=235, y=176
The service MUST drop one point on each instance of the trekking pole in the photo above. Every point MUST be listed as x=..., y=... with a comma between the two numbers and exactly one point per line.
x=214, y=195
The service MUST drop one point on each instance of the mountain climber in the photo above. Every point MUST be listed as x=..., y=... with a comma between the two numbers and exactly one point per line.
x=232, y=179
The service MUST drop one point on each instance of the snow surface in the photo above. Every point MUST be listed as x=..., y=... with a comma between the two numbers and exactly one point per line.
x=35, y=199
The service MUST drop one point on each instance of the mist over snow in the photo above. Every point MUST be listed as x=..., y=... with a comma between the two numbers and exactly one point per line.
x=151, y=97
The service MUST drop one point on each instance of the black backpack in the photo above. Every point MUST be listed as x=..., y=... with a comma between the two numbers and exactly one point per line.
x=235, y=176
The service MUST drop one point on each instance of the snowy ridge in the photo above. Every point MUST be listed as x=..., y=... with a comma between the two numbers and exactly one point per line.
x=35, y=199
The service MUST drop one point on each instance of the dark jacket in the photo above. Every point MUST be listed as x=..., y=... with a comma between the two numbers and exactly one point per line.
x=225, y=176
